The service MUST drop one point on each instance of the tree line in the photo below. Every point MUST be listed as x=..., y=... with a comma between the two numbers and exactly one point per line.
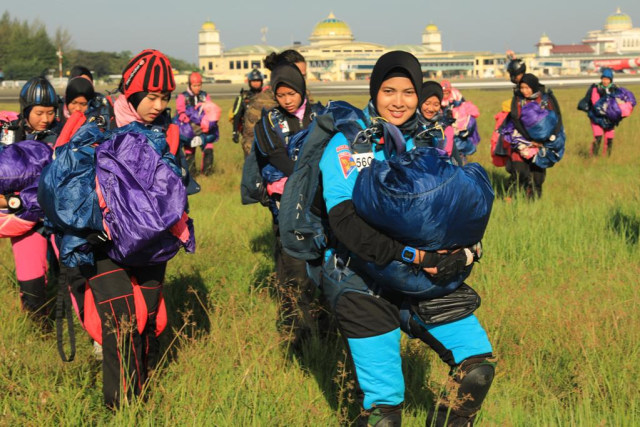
x=27, y=50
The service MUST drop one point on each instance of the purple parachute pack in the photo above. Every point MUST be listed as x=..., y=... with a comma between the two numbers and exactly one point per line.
x=21, y=165
x=125, y=183
x=540, y=123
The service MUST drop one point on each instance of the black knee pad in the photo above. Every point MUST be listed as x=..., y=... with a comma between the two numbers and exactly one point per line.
x=474, y=377
x=470, y=383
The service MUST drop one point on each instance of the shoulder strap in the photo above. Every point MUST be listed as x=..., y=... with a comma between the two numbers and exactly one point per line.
x=74, y=123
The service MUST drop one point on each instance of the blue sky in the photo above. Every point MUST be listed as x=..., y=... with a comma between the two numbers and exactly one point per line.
x=118, y=25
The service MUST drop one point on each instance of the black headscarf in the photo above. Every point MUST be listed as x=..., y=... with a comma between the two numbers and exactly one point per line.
x=79, y=86
x=429, y=89
x=289, y=75
x=394, y=64
x=531, y=81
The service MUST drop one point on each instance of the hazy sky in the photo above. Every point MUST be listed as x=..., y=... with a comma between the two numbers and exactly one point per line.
x=118, y=25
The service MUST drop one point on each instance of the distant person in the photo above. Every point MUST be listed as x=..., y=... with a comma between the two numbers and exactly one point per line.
x=198, y=117
x=463, y=114
x=100, y=107
x=437, y=128
x=536, y=135
x=606, y=105
x=255, y=80
x=516, y=68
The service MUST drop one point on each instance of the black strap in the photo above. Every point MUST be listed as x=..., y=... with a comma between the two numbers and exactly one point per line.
x=63, y=309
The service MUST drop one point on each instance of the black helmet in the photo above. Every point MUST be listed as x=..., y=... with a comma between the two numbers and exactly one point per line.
x=37, y=91
x=255, y=74
x=515, y=67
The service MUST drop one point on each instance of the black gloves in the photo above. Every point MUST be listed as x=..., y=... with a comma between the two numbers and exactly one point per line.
x=450, y=265
x=98, y=239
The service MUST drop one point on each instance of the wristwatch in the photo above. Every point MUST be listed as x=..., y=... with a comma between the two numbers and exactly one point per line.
x=409, y=254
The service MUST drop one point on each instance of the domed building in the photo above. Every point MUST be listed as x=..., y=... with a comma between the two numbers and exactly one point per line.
x=618, y=36
x=331, y=31
x=333, y=54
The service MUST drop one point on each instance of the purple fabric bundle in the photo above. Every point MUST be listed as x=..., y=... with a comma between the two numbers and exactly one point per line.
x=144, y=199
x=21, y=165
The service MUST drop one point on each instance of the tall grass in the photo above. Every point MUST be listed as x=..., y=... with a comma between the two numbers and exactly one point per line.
x=559, y=283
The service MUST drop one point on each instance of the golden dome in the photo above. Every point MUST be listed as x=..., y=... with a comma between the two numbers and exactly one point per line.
x=431, y=28
x=544, y=39
x=618, y=22
x=208, y=26
x=331, y=29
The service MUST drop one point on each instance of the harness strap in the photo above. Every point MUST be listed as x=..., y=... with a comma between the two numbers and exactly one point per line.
x=74, y=123
x=63, y=309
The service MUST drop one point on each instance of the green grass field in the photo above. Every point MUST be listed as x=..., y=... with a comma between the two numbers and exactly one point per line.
x=560, y=303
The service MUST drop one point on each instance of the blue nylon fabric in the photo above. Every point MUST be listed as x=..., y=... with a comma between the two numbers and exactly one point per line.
x=422, y=200
x=67, y=186
x=379, y=368
x=67, y=195
x=539, y=122
x=21, y=165
x=551, y=152
x=464, y=338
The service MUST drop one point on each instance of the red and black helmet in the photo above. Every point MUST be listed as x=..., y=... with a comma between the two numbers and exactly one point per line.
x=148, y=71
x=195, y=78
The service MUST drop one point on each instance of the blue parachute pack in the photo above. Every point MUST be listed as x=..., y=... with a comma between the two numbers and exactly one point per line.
x=422, y=200
x=302, y=225
x=449, y=206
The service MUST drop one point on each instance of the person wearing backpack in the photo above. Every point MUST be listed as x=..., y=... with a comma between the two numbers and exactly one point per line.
x=100, y=106
x=129, y=229
x=533, y=109
x=24, y=152
x=606, y=105
x=276, y=153
x=370, y=319
x=264, y=99
x=436, y=124
x=237, y=114
x=190, y=106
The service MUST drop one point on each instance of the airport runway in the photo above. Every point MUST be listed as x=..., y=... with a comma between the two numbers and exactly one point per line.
x=227, y=90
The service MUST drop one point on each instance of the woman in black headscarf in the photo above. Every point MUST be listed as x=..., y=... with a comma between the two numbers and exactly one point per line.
x=276, y=155
x=369, y=318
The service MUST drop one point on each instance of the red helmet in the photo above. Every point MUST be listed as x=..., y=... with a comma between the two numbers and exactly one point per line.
x=446, y=85
x=195, y=78
x=148, y=71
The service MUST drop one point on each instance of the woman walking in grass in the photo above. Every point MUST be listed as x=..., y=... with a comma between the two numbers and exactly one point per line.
x=134, y=200
x=276, y=154
x=606, y=105
x=370, y=318
x=536, y=135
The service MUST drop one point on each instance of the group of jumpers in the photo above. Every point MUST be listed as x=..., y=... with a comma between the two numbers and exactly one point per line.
x=376, y=267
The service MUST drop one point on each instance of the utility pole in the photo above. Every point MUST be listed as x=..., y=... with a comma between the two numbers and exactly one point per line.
x=59, y=54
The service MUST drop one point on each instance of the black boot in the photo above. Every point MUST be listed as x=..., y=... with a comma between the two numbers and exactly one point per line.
x=381, y=416
x=609, y=146
x=595, y=146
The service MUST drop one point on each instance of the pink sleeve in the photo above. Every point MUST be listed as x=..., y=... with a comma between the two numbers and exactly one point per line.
x=595, y=96
x=181, y=108
x=448, y=140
